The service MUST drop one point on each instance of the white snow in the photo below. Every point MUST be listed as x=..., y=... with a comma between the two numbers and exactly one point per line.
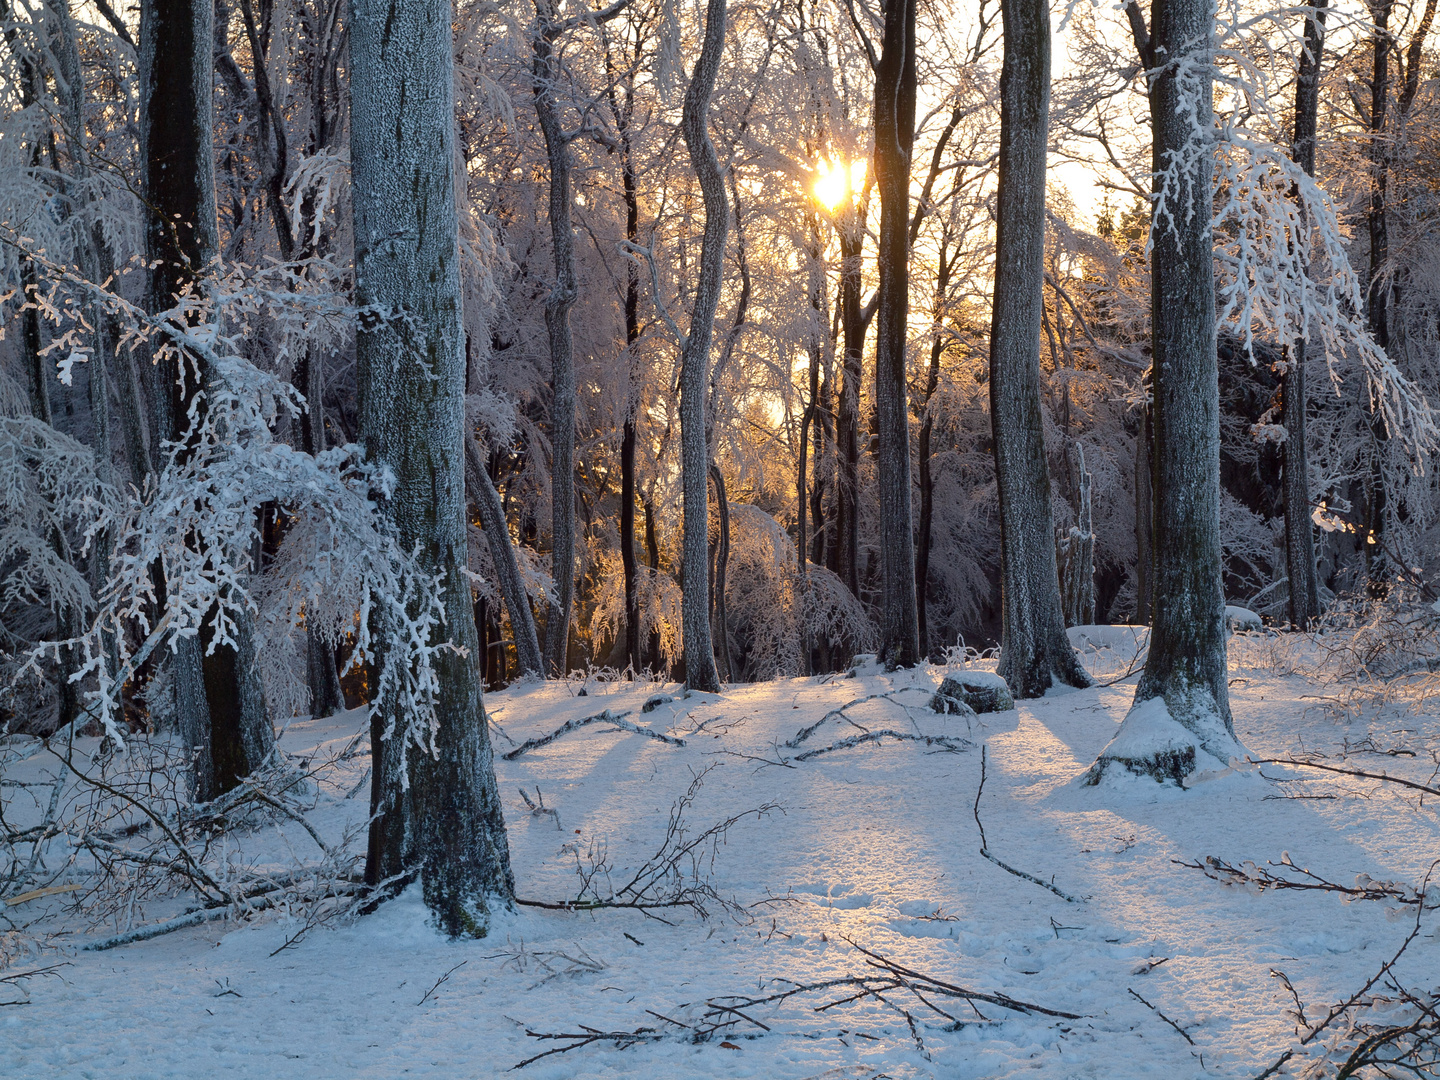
x=980, y=679
x=1239, y=618
x=876, y=845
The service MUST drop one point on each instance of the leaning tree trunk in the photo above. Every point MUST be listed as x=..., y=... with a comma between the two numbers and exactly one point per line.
x=1299, y=533
x=441, y=818
x=700, y=672
x=502, y=553
x=545, y=79
x=1034, y=651
x=1180, y=718
x=894, y=140
x=219, y=699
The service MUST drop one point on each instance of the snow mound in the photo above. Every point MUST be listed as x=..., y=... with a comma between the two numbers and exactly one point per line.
x=1239, y=618
x=1152, y=742
x=1128, y=638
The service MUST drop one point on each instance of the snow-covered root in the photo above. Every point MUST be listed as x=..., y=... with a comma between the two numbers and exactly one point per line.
x=1169, y=740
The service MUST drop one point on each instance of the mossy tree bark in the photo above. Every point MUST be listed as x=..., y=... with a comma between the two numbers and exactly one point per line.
x=1034, y=651
x=440, y=818
x=1186, y=666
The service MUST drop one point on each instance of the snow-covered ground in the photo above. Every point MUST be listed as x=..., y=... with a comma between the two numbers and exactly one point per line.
x=872, y=847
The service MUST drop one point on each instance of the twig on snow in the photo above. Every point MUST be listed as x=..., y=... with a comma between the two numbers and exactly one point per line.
x=1162, y=1016
x=985, y=850
x=441, y=981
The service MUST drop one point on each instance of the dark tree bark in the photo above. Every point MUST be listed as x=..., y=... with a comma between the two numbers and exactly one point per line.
x=486, y=500
x=700, y=671
x=854, y=322
x=624, y=115
x=1299, y=531
x=894, y=140
x=1034, y=651
x=219, y=699
x=1144, y=517
x=1185, y=680
x=1377, y=298
x=563, y=294
x=443, y=821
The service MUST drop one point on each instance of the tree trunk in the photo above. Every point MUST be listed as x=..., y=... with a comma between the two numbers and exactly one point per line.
x=545, y=80
x=629, y=436
x=502, y=552
x=720, y=627
x=700, y=672
x=853, y=324
x=219, y=698
x=894, y=140
x=443, y=821
x=1034, y=651
x=652, y=548
x=1144, y=518
x=1299, y=532
x=1377, y=299
x=1180, y=718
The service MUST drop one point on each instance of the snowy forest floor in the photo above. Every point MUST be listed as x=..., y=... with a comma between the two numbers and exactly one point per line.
x=1170, y=972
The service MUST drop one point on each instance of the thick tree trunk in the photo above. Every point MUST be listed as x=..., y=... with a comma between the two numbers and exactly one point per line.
x=219, y=699
x=1034, y=651
x=443, y=821
x=700, y=672
x=497, y=534
x=894, y=140
x=1180, y=719
x=1299, y=531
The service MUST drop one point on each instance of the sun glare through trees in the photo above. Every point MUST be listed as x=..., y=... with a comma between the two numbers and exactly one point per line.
x=784, y=538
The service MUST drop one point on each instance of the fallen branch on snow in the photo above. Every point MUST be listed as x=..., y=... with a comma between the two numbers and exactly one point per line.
x=985, y=850
x=607, y=717
x=1247, y=874
x=949, y=744
x=1386, y=777
x=727, y=1015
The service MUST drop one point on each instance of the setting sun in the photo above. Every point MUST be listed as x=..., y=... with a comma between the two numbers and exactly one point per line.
x=835, y=183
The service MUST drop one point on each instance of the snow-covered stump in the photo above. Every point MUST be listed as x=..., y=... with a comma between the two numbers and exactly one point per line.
x=1164, y=742
x=977, y=691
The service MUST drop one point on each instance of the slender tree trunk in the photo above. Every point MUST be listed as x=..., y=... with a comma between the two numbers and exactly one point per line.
x=219, y=698
x=700, y=671
x=1377, y=563
x=443, y=821
x=563, y=293
x=502, y=553
x=1299, y=532
x=721, y=624
x=894, y=140
x=1034, y=651
x=629, y=436
x=652, y=548
x=1185, y=679
x=1144, y=518
x=847, y=423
